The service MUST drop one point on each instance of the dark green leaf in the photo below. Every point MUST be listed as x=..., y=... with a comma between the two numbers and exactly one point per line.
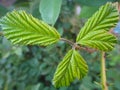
x=94, y=2
x=87, y=11
x=3, y=10
x=50, y=10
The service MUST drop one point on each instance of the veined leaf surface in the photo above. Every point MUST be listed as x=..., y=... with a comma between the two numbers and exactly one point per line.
x=72, y=66
x=94, y=32
x=100, y=39
x=22, y=28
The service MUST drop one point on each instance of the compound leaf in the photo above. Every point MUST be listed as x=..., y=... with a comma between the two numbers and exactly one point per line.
x=94, y=32
x=22, y=28
x=72, y=66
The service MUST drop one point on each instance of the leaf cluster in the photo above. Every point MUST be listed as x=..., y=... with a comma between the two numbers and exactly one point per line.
x=22, y=28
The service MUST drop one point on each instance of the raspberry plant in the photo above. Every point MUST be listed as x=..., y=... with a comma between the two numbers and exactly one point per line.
x=22, y=28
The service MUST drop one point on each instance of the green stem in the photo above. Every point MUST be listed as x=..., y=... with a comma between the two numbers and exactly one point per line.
x=103, y=72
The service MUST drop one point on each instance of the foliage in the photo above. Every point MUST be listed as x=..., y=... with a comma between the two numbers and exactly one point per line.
x=88, y=11
x=22, y=28
x=94, y=33
x=72, y=66
x=28, y=67
x=50, y=10
x=89, y=8
x=96, y=2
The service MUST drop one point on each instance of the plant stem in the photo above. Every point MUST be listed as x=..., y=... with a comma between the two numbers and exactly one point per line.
x=76, y=46
x=103, y=72
x=68, y=41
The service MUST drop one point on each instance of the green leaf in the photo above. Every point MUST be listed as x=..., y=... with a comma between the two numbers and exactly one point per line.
x=72, y=66
x=3, y=10
x=94, y=32
x=94, y=2
x=50, y=10
x=100, y=39
x=33, y=87
x=23, y=28
x=87, y=11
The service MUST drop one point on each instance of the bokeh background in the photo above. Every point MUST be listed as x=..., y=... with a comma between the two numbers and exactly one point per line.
x=33, y=67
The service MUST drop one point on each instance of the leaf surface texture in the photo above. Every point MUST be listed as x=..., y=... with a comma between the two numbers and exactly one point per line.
x=94, y=33
x=72, y=66
x=22, y=28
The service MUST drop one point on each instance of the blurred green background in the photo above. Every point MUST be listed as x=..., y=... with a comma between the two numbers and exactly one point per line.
x=33, y=67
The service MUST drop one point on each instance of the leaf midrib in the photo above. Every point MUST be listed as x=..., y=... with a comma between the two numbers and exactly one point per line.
x=66, y=68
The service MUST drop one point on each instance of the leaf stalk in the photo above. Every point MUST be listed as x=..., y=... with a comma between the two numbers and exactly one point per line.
x=76, y=46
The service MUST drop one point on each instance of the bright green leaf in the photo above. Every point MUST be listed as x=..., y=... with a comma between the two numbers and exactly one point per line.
x=50, y=10
x=23, y=28
x=100, y=39
x=94, y=32
x=71, y=67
